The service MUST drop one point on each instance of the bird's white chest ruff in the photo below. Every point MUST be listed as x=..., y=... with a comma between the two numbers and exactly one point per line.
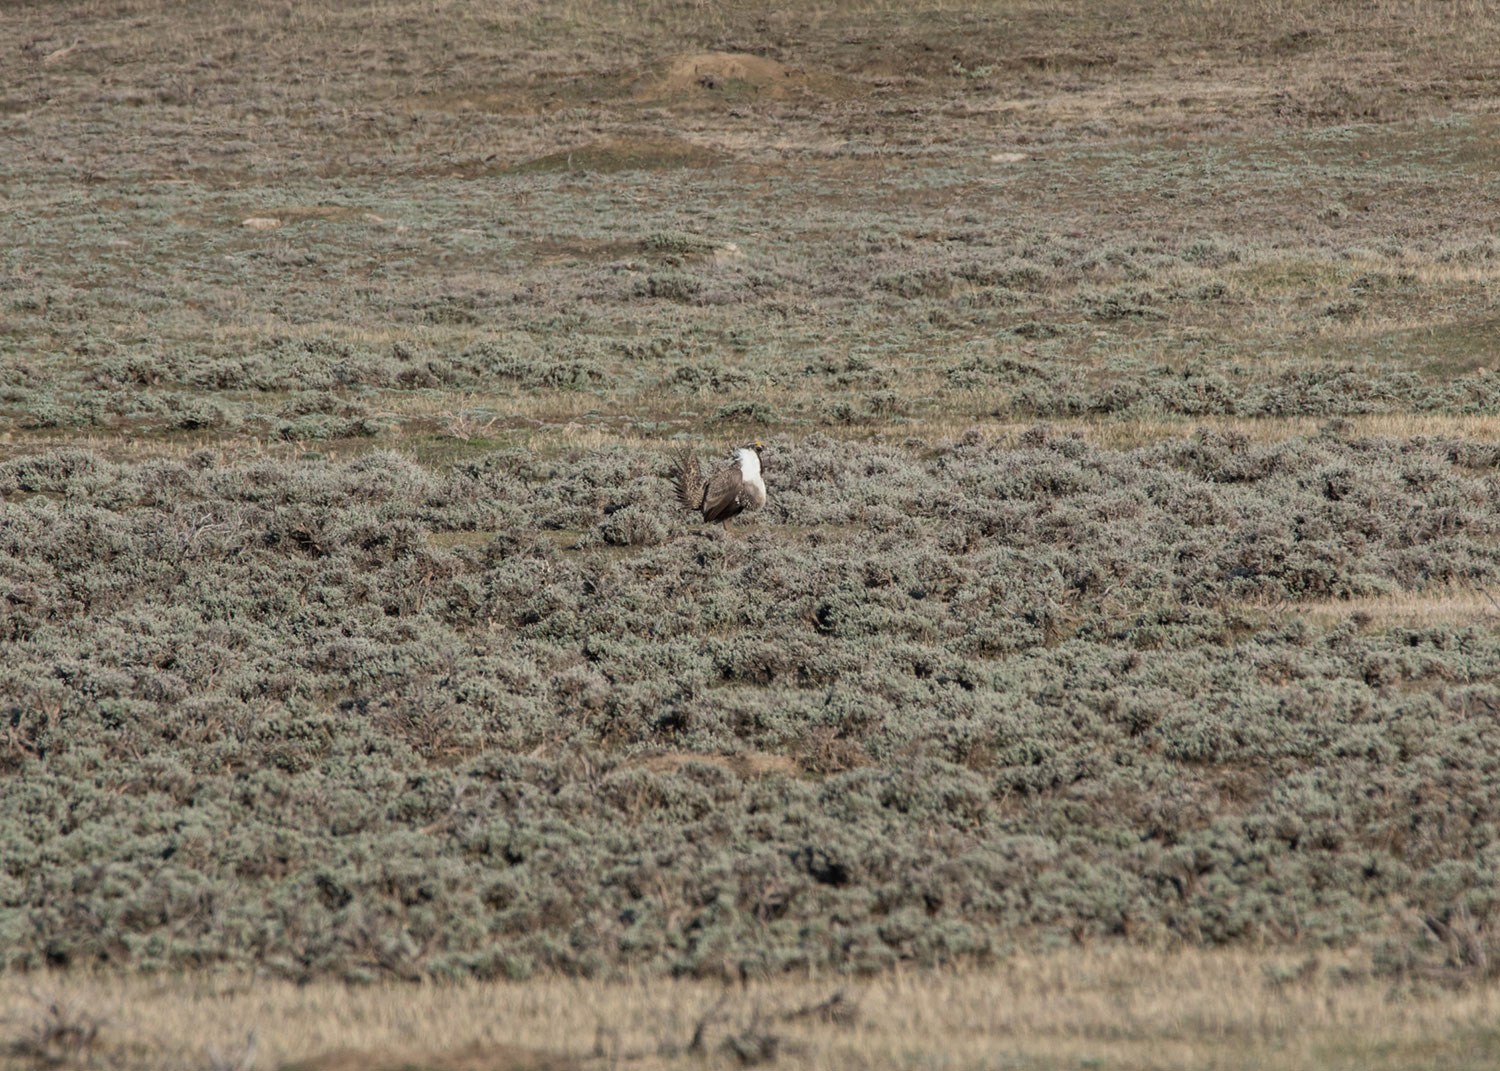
x=750, y=475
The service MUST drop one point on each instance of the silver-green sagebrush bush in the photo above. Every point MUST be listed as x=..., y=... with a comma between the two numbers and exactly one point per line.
x=938, y=699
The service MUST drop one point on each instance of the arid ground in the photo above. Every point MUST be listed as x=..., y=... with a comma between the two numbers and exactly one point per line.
x=1111, y=680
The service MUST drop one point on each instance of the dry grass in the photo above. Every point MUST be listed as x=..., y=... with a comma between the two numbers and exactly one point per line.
x=1317, y=118
x=1076, y=1008
x=742, y=764
x=1154, y=67
x=1449, y=607
x=450, y=431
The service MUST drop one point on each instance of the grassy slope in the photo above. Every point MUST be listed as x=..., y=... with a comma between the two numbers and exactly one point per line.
x=1211, y=221
x=332, y=654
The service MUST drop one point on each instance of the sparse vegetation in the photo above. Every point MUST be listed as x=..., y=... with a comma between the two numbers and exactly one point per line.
x=1128, y=579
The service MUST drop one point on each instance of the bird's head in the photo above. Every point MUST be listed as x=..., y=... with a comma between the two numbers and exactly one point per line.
x=757, y=446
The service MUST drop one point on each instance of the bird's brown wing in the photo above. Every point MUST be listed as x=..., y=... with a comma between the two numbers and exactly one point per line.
x=722, y=497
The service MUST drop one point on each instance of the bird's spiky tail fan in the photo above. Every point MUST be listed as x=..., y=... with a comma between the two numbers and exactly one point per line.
x=689, y=481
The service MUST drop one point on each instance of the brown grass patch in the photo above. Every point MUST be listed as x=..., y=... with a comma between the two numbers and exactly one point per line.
x=1085, y=1007
x=1448, y=608
x=471, y=1058
x=745, y=764
x=562, y=251
x=625, y=154
x=706, y=80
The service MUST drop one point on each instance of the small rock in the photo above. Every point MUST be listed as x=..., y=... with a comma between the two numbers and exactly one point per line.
x=261, y=223
x=1008, y=158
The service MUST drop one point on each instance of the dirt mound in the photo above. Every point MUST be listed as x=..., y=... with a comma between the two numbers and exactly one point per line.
x=716, y=76
x=473, y=1058
x=714, y=70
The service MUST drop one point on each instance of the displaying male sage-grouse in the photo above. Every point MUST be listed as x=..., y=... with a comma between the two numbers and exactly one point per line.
x=730, y=492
